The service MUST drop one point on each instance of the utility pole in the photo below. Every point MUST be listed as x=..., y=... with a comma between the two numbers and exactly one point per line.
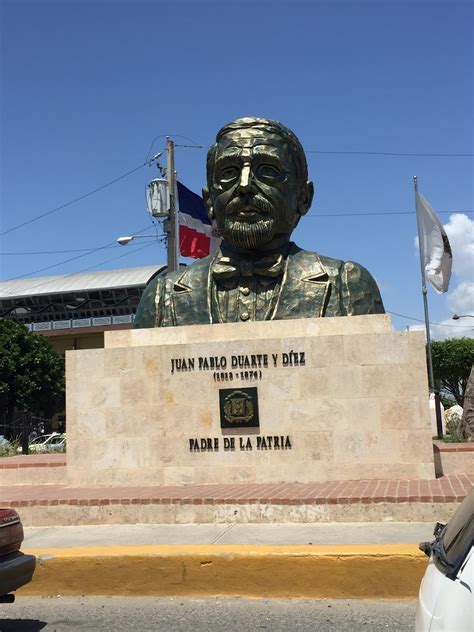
x=162, y=203
x=171, y=224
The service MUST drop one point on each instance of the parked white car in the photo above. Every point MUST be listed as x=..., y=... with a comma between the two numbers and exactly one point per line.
x=55, y=443
x=33, y=445
x=4, y=443
x=446, y=596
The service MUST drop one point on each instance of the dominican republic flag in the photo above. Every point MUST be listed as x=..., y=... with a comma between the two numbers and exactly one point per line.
x=198, y=236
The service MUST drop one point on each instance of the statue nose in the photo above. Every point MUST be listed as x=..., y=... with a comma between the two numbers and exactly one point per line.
x=245, y=177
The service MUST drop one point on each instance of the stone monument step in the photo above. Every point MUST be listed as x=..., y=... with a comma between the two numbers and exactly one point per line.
x=453, y=458
x=33, y=469
x=336, y=501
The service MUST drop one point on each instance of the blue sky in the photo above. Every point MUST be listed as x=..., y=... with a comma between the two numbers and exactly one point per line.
x=86, y=86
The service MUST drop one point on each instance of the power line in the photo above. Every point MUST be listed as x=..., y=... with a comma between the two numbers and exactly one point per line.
x=126, y=254
x=315, y=215
x=193, y=146
x=389, y=153
x=88, y=252
x=172, y=136
x=147, y=162
x=55, y=252
x=358, y=153
x=67, y=276
x=55, y=265
x=419, y=320
x=78, y=199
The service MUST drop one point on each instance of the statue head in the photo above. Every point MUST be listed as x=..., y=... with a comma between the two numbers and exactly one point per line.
x=257, y=183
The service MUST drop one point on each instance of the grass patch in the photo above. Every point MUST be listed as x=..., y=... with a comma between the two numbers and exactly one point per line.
x=10, y=449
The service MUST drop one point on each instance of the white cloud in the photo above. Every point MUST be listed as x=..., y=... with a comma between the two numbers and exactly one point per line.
x=460, y=231
x=453, y=329
x=449, y=329
x=461, y=299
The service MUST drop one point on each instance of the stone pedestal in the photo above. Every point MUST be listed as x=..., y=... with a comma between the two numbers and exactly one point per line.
x=338, y=399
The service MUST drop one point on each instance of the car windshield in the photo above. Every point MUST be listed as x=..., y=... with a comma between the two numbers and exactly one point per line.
x=56, y=439
x=39, y=440
x=458, y=536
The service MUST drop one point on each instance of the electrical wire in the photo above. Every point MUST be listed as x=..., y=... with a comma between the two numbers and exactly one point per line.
x=89, y=252
x=419, y=320
x=389, y=153
x=67, y=276
x=55, y=252
x=192, y=146
x=171, y=136
x=148, y=161
x=55, y=265
x=357, y=153
x=315, y=215
x=78, y=199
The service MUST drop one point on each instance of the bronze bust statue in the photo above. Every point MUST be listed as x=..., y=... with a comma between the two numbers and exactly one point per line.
x=257, y=190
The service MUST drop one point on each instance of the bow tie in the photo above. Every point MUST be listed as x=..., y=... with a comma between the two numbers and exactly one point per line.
x=227, y=267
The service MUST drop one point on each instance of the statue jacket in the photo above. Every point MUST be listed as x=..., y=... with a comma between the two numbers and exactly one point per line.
x=311, y=286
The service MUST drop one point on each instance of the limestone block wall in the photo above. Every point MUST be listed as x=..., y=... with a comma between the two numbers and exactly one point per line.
x=346, y=397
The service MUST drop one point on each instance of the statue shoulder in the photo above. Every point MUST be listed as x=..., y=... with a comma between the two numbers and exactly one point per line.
x=360, y=293
x=353, y=289
x=155, y=301
x=190, y=274
x=146, y=311
x=314, y=263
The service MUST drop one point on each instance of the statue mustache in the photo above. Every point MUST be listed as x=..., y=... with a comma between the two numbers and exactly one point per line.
x=257, y=202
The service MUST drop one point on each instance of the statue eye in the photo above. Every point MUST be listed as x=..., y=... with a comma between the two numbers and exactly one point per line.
x=228, y=174
x=268, y=171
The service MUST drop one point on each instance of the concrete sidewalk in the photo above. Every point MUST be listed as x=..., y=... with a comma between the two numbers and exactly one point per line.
x=241, y=534
x=350, y=560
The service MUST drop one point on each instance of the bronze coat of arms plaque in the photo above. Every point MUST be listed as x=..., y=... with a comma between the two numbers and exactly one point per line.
x=239, y=407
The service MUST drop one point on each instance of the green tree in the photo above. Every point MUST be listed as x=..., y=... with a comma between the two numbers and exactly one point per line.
x=452, y=363
x=31, y=371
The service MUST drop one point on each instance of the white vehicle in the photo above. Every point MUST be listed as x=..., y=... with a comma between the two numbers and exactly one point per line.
x=4, y=443
x=446, y=596
x=33, y=445
x=55, y=443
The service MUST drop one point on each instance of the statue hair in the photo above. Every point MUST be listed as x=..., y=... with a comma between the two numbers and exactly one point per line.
x=269, y=126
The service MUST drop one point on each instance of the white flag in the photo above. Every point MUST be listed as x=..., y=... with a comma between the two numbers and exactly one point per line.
x=435, y=250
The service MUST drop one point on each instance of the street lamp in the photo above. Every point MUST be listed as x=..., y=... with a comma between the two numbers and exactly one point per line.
x=123, y=241
x=458, y=316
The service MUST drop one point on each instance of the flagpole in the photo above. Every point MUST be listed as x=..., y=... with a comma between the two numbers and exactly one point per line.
x=431, y=383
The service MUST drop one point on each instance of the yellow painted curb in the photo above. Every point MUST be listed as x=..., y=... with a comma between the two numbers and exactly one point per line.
x=388, y=571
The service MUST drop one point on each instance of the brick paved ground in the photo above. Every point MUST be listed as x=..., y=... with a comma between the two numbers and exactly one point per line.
x=442, y=490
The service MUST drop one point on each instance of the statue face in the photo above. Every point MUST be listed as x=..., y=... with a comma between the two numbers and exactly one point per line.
x=255, y=194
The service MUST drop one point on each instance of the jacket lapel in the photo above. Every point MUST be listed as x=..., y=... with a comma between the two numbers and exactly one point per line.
x=189, y=296
x=305, y=287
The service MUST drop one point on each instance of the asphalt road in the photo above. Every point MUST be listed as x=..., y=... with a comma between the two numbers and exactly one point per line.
x=100, y=614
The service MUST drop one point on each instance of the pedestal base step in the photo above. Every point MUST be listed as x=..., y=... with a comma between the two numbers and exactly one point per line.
x=336, y=501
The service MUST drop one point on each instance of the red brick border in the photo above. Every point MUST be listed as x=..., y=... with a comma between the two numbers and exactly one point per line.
x=441, y=446
x=442, y=490
x=32, y=460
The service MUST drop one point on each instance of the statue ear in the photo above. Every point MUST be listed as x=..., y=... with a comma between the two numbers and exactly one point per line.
x=207, y=201
x=306, y=197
